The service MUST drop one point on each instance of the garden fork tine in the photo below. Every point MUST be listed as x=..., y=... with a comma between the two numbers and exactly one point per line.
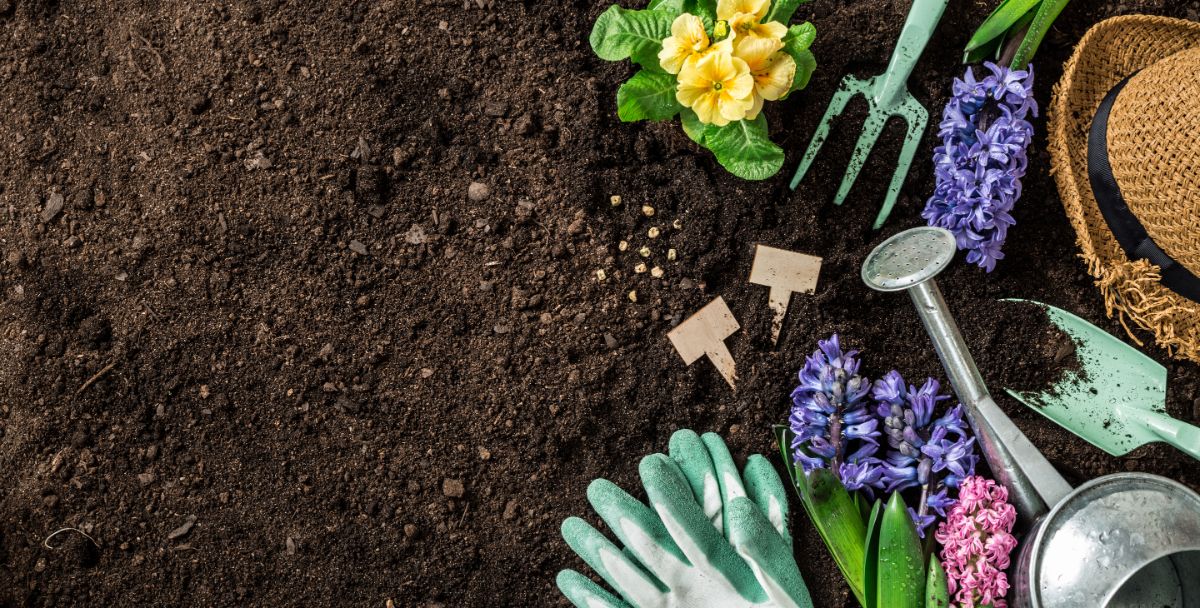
x=887, y=96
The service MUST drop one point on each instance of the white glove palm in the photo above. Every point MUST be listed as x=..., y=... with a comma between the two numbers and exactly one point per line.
x=713, y=539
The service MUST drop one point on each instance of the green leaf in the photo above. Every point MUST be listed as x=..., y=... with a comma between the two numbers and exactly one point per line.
x=745, y=149
x=937, y=595
x=647, y=96
x=696, y=130
x=782, y=10
x=1045, y=17
x=799, y=37
x=999, y=22
x=796, y=43
x=901, y=562
x=832, y=511
x=871, y=559
x=671, y=7
x=637, y=35
x=705, y=9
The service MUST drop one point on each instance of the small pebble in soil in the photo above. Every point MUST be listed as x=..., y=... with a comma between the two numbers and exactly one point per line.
x=358, y=247
x=601, y=275
x=652, y=232
x=615, y=200
x=610, y=340
x=478, y=191
x=644, y=252
x=671, y=255
x=183, y=529
x=656, y=272
x=54, y=205
x=640, y=268
x=647, y=211
x=453, y=488
x=410, y=530
x=623, y=245
x=633, y=296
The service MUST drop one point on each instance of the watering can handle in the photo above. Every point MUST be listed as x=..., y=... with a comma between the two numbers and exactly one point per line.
x=1179, y=434
x=922, y=19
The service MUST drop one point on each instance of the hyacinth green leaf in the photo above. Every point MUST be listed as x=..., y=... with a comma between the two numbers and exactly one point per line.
x=901, y=564
x=647, y=96
x=871, y=558
x=1000, y=21
x=745, y=149
x=782, y=10
x=626, y=34
x=695, y=131
x=937, y=592
x=1046, y=14
x=832, y=511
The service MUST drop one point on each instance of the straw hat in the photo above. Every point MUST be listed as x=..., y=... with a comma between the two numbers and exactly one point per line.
x=1124, y=127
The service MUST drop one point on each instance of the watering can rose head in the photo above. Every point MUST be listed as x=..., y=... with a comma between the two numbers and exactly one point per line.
x=714, y=64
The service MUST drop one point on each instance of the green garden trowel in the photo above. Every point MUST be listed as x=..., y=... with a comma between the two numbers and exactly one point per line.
x=1116, y=400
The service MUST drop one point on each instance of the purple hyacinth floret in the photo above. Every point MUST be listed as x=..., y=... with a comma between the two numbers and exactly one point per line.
x=979, y=166
x=832, y=424
x=934, y=454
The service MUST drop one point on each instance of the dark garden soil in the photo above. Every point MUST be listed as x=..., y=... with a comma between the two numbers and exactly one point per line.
x=275, y=350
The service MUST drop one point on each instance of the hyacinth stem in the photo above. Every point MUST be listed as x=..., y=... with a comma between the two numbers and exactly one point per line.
x=922, y=508
x=835, y=439
x=1010, y=49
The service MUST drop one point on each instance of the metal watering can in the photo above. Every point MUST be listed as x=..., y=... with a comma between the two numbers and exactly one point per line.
x=1127, y=539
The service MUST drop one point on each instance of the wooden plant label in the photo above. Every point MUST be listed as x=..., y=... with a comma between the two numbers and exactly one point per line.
x=785, y=272
x=704, y=333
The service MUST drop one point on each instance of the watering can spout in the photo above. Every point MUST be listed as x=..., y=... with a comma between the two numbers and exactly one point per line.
x=908, y=261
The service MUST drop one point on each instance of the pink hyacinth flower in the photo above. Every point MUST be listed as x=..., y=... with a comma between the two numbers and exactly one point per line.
x=976, y=541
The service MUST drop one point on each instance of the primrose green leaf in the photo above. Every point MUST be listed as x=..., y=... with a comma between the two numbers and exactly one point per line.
x=671, y=7
x=799, y=37
x=696, y=131
x=637, y=35
x=839, y=523
x=647, y=96
x=796, y=43
x=901, y=562
x=745, y=149
x=871, y=558
x=705, y=9
x=999, y=22
x=782, y=10
x=1046, y=14
x=937, y=594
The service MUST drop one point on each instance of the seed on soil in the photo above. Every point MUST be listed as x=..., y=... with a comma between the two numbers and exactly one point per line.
x=656, y=272
x=644, y=252
x=677, y=224
x=478, y=191
x=615, y=200
x=671, y=255
x=453, y=488
x=633, y=296
x=623, y=245
x=653, y=232
x=647, y=211
x=601, y=275
x=640, y=268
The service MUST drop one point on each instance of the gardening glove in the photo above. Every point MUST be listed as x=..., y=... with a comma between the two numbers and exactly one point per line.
x=710, y=537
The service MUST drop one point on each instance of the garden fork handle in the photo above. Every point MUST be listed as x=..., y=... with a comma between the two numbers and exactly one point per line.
x=922, y=19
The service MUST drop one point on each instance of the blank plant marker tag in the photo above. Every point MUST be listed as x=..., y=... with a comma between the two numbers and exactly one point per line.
x=704, y=333
x=784, y=272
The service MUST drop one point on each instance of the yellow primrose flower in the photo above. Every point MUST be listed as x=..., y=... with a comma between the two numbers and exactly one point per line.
x=771, y=68
x=716, y=85
x=687, y=38
x=745, y=18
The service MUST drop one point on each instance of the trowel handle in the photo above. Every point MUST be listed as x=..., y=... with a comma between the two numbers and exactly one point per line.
x=1033, y=484
x=1175, y=432
x=922, y=19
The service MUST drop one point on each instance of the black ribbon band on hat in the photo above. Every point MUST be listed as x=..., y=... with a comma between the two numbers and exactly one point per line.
x=1129, y=232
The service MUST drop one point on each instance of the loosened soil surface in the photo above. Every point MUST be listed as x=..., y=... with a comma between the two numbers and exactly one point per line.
x=275, y=350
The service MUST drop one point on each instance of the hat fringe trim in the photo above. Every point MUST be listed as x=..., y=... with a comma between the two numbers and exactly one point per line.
x=1133, y=291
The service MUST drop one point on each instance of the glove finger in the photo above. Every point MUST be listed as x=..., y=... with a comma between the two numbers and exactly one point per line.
x=620, y=572
x=688, y=451
x=638, y=528
x=706, y=549
x=764, y=487
x=727, y=473
x=584, y=593
x=769, y=557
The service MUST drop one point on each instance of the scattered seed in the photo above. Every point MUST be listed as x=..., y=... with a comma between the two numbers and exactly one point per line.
x=633, y=296
x=640, y=268
x=615, y=200
x=653, y=232
x=677, y=224
x=647, y=210
x=656, y=272
x=644, y=252
x=623, y=245
x=671, y=255
x=601, y=275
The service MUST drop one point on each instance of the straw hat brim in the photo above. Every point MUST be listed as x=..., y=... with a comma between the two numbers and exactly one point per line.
x=1112, y=50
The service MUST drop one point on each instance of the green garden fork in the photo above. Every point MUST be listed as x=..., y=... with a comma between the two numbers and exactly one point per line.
x=887, y=96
